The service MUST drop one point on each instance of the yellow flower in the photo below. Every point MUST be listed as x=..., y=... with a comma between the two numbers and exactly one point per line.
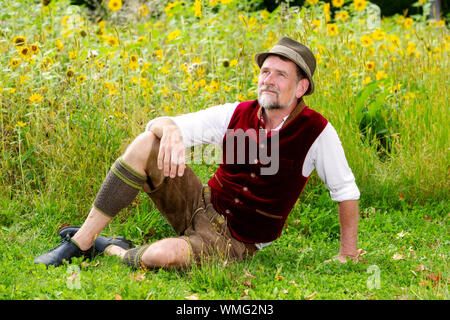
x=59, y=44
x=165, y=70
x=65, y=21
x=72, y=54
x=367, y=80
x=337, y=3
x=159, y=54
x=381, y=75
x=342, y=15
x=312, y=1
x=21, y=124
x=411, y=48
x=81, y=78
x=141, y=39
x=34, y=48
x=24, y=52
x=396, y=87
x=316, y=24
x=370, y=66
x=359, y=5
x=19, y=41
x=115, y=5
x=24, y=79
x=173, y=35
x=407, y=23
x=225, y=2
x=378, y=34
x=66, y=33
x=233, y=62
x=112, y=41
x=143, y=10
x=133, y=65
x=35, y=98
x=366, y=40
x=197, y=8
x=134, y=58
x=332, y=29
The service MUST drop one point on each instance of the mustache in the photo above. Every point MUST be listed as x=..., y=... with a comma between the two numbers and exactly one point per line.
x=269, y=88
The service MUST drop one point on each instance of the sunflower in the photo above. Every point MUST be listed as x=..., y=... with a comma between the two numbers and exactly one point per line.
x=15, y=62
x=378, y=34
x=407, y=23
x=24, y=52
x=115, y=5
x=381, y=75
x=337, y=3
x=35, y=98
x=34, y=48
x=173, y=35
x=19, y=41
x=366, y=40
x=370, y=66
x=143, y=10
x=342, y=15
x=332, y=29
x=359, y=5
x=112, y=41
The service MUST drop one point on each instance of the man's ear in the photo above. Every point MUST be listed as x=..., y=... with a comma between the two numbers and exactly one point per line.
x=302, y=87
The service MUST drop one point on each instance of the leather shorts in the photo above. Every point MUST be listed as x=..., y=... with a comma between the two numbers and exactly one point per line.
x=185, y=203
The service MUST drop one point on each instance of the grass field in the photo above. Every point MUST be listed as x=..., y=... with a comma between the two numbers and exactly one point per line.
x=74, y=93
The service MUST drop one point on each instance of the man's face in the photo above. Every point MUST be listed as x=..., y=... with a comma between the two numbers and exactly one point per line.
x=278, y=85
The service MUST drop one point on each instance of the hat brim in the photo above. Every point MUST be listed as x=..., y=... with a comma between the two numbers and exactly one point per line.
x=261, y=57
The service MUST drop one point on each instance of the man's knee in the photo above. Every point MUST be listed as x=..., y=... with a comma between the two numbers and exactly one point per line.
x=142, y=154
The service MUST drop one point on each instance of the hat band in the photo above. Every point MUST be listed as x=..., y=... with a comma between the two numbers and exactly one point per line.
x=288, y=51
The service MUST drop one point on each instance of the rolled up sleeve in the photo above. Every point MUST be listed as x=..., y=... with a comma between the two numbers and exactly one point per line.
x=328, y=158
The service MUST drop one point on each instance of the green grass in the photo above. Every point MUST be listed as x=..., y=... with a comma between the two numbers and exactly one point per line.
x=56, y=152
x=291, y=268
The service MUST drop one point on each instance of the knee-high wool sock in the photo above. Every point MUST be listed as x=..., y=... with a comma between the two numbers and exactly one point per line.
x=120, y=187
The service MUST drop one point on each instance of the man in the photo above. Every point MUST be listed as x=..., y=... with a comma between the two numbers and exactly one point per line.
x=242, y=209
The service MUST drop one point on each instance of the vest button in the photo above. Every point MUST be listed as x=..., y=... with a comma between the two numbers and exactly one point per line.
x=227, y=211
x=245, y=188
x=236, y=200
x=253, y=175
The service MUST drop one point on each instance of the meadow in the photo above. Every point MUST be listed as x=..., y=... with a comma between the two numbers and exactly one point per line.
x=75, y=91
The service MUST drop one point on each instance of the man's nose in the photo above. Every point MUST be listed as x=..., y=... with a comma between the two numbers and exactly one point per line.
x=268, y=80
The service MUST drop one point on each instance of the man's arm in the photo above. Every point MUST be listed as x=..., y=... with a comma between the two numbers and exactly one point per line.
x=348, y=218
x=328, y=158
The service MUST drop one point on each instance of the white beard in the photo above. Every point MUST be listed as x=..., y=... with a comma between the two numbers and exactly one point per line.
x=270, y=102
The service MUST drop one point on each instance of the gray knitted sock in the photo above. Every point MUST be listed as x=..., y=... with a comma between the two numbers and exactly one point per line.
x=120, y=187
x=133, y=257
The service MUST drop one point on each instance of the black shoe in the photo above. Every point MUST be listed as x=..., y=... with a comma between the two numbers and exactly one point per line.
x=66, y=250
x=101, y=242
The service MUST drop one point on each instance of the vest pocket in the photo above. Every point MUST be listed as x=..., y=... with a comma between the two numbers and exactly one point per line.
x=268, y=214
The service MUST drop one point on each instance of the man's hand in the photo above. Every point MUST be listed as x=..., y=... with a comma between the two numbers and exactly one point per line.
x=171, y=156
x=342, y=258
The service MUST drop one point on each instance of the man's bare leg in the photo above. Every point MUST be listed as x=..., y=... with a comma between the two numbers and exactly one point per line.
x=141, y=155
x=169, y=252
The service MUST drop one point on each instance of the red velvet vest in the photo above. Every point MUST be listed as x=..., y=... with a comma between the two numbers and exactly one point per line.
x=257, y=205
